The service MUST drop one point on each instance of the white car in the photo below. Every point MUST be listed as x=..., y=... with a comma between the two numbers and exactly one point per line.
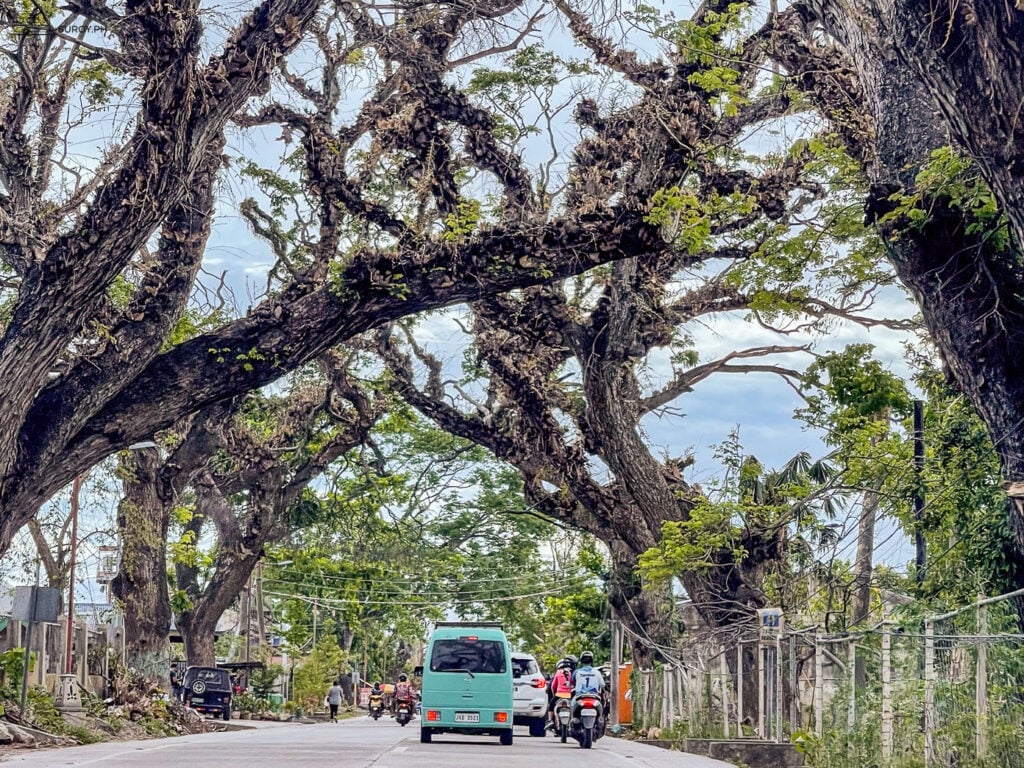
x=530, y=699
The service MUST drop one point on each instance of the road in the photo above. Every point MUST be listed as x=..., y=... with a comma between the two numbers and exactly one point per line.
x=356, y=743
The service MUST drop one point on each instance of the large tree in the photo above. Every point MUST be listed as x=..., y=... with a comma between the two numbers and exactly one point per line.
x=928, y=75
x=239, y=468
x=562, y=369
x=98, y=262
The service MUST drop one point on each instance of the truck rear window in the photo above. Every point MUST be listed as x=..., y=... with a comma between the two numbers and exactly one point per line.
x=524, y=667
x=214, y=678
x=464, y=655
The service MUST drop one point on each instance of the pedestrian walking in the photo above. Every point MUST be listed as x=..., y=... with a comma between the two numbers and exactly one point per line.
x=334, y=700
x=176, y=688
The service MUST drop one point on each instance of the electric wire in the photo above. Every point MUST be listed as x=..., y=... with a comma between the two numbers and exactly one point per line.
x=478, y=601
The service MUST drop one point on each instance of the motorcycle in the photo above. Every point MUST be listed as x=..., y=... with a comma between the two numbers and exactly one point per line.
x=403, y=712
x=563, y=714
x=587, y=722
x=376, y=705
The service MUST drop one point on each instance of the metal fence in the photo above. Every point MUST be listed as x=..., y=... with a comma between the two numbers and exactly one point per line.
x=944, y=691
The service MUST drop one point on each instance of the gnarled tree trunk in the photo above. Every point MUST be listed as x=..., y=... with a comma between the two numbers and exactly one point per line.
x=198, y=634
x=648, y=614
x=923, y=69
x=141, y=583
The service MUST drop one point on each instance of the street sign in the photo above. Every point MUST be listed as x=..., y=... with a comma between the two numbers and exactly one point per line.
x=770, y=625
x=110, y=563
x=47, y=604
x=33, y=605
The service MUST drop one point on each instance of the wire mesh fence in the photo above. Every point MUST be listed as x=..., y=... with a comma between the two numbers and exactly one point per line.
x=974, y=687
x=946, y=691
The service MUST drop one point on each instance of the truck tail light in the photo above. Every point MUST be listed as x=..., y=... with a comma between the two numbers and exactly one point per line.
x=501, y=717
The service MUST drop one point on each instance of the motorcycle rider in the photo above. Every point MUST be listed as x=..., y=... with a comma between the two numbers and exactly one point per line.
x=378, y=692
x=559, y=686
x=586, y=679
x=403, y=692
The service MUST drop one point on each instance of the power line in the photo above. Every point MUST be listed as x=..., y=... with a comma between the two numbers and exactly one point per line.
x=415, y=581
x=438, y=587
x=348, y=603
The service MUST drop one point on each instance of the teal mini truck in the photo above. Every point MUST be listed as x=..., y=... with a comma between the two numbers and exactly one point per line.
x=467, y=681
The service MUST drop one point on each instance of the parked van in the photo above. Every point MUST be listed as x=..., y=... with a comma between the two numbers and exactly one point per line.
x=467, y=681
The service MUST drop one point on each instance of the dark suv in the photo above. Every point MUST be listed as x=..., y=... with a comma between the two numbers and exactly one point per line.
x=208, y=690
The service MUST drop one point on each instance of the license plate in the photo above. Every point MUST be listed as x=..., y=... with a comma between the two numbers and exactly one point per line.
x=467, y=717
x=197, y=701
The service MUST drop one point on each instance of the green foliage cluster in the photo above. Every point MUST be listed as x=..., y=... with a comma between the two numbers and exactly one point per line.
x=263, y=681
x=30, y=17
x=966, y=521
x=576, y=619
x=690, y=217
x=829, y=253
x=12, y=667
x=191, y=324
x=695, y=544
x=529, y=75
x=953, y=180
x=752, y=502
x=280, y=190
x=99, y=80
x=315, y=673
x=713, y=44
x=848, y=392
x=459, y=226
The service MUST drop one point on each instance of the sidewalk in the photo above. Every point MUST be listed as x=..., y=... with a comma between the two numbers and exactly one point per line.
x=242, y=725
x=655, y=757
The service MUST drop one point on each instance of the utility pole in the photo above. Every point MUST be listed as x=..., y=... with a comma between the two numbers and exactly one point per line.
x=67, y=698
x=315, y=614
x=616, y=664
x=919, y=541
x=76, y=489
x=261, y=626
x=245, y=619
x=27, y=662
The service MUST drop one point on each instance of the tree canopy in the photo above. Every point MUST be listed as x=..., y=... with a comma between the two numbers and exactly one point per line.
x=405, y=181
x=100, y=260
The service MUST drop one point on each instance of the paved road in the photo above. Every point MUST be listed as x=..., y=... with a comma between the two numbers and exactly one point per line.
x=358, y=743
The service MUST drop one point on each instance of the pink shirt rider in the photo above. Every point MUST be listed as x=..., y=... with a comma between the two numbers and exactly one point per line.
x=403, y=691
x=562, y=682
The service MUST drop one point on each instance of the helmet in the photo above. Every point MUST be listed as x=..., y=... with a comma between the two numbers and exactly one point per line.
x=563, y=663
x=402, y=678
x=573, y=661
x=587, y=657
